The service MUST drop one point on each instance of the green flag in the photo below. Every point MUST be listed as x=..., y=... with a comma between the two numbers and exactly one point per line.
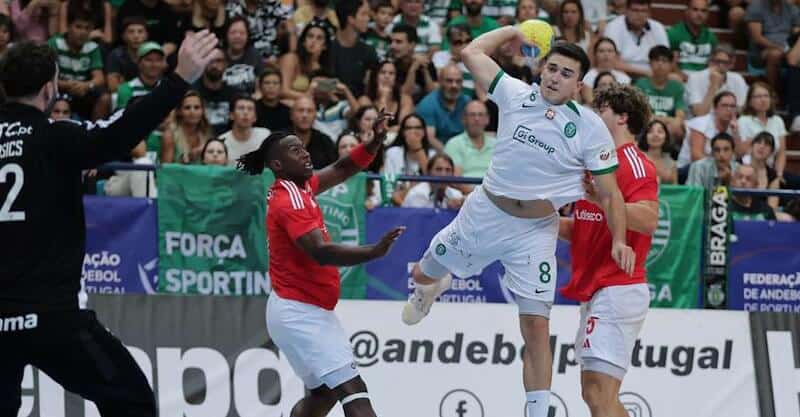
x=673, y=263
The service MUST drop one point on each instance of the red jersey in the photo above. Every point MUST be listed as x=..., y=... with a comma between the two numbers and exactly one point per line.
x=593, y=267
x=293, y=212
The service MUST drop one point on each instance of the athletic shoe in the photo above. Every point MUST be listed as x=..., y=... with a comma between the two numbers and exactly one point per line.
x=420, y=302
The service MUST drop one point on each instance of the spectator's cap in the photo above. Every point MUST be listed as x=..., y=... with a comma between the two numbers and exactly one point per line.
x=149, y=47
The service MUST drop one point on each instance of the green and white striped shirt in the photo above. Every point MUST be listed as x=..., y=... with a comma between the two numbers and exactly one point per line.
x=129, y=90
x=427, y=31
x=76, y=65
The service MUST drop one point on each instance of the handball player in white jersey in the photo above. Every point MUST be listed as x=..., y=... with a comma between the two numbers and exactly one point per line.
x=545, y=143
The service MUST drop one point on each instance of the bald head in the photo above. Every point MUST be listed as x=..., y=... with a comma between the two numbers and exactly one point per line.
x=451, y=81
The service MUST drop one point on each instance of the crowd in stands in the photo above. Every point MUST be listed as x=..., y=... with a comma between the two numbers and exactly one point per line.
x=324, y=68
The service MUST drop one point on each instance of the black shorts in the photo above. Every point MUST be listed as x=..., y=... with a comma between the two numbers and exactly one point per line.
x=75, y=350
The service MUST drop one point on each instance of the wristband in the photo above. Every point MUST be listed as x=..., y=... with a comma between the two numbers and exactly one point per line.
x=361, y=157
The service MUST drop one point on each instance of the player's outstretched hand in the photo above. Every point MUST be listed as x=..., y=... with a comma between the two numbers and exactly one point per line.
x=197, y=50
x=624, y=256
x=382, y=247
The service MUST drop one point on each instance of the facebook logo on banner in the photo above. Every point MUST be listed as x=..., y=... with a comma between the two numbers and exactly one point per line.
x=461, y=403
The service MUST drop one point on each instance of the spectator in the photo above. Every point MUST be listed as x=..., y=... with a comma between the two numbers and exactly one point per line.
x=704, y=85
x=477, y=22
x=529, y=9
x=121, y=63
x=769, y=24
x=596, y=12
x=762, y=149
x=187, y=131
x=616, y=8
x=606, y=59
x=745, y=206
x=350, y=57
x=265, y=18
x=700, y=130
x=163, y=26
x=319, y=14
x=416, y=74
x=437, y=194
x=428, y=37
x=603, y=80
x=502, y=11
x=657, y=144
x=6, y=33
x=151, y=69
x=99, y=11
x=409, y=153
x=80, y=67
x=208, y=14
x=215, y=153
x=571, y=25
x=635, y=34
x=244, y=62
x=377, y=35
x=441, y=11
x=361, y=123
x=344, y=145
x=691, y=40
x=61, y=109
x=716, y=169
x=127, y=183
x=216, y=95
x=665, y=95
x=792, y=68
x=444, y=108
x=472, y=150
x=458, y=37
x=320, y=146
x=732, y=14
x=335, y=104
x=297, y=68
x=32, y=19
x=383, y=92
x=759, y=116
x=243, y=137
x=270, y=112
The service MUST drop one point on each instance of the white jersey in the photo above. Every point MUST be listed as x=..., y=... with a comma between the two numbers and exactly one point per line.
x=542, y=150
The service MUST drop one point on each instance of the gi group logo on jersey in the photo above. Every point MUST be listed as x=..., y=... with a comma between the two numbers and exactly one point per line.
x=341, y=219
x=570, y=129
x=660, y=239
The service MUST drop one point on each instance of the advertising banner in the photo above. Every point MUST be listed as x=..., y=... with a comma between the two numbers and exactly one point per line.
x=776, y=346
x=211, y=357
x=121, y=254
x=764, y=271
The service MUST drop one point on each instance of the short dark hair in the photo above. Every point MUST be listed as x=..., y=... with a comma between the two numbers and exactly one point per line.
x=643, y=145
x=659, y=51
x=626, y=99
x=458, y=28
x=438, y=156
x=723, y=136
x=765, y=138
x=133, y=20
x=208, y=142
x=269, y=70
x=75, y=14
x=26, y=68
x=601, y=40
x=632, y=2
x=254, y=162
x=410, y=31
x=723, y=94
x=380, y=4
x=345, y=9
x=236, y=99
x=572, y=51
x=600, y=75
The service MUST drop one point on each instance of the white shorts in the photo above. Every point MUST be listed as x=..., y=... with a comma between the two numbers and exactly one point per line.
x=313, y=341
x=609, y=325
x=481, y=233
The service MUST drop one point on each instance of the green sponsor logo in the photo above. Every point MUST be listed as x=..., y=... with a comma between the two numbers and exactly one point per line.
x=440, y=249
x=716, y=296
x=570, y=129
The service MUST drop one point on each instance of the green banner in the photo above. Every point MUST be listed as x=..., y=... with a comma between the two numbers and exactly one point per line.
x=673, y=264
x=212, y=237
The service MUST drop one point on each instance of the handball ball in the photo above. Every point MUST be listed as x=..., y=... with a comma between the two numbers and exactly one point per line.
x=539, y=36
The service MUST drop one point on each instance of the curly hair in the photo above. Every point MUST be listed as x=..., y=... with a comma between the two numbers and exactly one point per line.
x=628, y=100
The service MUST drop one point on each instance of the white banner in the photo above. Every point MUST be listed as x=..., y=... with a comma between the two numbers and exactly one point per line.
x=464, y=360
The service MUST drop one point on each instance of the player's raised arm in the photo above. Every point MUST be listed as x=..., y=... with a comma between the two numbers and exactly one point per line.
x=477, y=55
x=358, y=159
x=116, y=136
x=608, y=193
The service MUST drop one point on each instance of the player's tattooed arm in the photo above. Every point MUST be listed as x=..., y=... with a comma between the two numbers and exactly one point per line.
x=350, y=165
x=329, y=253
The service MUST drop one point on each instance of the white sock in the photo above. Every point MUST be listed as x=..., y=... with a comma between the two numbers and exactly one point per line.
x=538, y=403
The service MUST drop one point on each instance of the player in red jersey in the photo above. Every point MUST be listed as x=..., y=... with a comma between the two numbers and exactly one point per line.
x=613, y=304
x=302, y=269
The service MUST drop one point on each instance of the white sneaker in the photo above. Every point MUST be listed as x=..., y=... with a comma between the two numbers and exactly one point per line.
x=420, y=302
